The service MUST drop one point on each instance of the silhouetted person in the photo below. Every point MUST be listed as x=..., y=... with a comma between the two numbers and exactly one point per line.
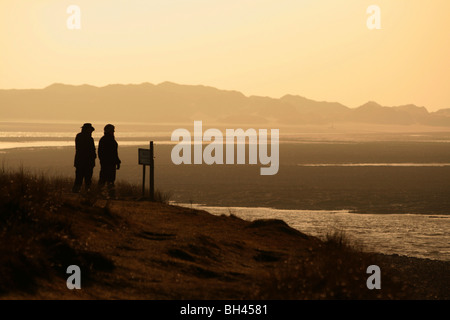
x=109, y=159
x=84, y=158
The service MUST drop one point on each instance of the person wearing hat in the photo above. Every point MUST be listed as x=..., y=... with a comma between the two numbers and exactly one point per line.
x=85, y=156
x=109, y=159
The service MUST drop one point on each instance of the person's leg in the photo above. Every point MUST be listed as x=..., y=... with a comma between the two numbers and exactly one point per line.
x=101, y=178
x=111, y=190
x=111, y=177
x=88, y=178
x=78, y=180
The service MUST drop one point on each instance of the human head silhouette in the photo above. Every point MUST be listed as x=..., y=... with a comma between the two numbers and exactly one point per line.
x=87, y=127
x=109, y=129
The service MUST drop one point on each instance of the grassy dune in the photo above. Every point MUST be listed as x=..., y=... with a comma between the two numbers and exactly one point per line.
x=136, y=249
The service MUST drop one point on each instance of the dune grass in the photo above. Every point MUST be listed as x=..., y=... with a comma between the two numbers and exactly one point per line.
x=34, y=229
x=335, y=270
x=28, y=220
x=129, y=190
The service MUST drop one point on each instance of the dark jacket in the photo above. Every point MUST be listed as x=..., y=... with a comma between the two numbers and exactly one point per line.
x=107, y=150
x=84, y=151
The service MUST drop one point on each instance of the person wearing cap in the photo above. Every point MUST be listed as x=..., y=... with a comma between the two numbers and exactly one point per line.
x=109, y=159
x=85, y=156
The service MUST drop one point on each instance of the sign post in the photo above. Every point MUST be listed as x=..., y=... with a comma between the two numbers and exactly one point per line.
x=143, y=181
x=152, y=173
x=146, y=158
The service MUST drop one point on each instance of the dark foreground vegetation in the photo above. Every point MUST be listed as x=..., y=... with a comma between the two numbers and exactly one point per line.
x=131, y=248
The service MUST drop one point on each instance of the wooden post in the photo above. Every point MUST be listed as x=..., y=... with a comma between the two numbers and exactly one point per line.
x=152, y=173
x=143, y=181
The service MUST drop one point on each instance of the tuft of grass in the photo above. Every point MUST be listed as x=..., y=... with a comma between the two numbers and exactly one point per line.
x=336, y=270
x=338, y=239
x=163, y=196
x=129, y=190
x=126, y=189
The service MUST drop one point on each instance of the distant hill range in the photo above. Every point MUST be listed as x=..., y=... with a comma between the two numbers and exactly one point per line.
x=174, y=103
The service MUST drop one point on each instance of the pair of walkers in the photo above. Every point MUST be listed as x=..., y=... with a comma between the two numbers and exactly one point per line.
x=85, y=155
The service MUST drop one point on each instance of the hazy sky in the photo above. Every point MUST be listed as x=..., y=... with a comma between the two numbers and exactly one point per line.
x=320, y=49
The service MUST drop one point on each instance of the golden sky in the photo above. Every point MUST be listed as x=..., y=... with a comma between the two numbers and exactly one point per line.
x=320, y=49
